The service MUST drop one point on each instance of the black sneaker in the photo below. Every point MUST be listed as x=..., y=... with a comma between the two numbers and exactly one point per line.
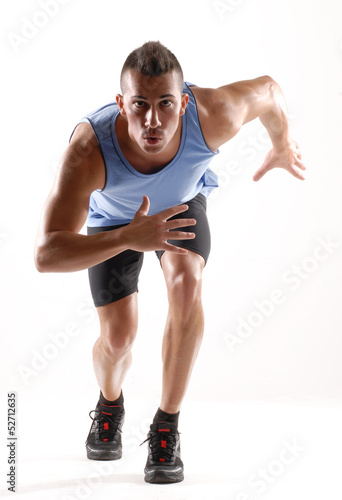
x=164, y=464
x=104, y=438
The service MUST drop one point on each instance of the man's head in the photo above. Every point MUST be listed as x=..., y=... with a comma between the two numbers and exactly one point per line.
x=151, y=59
x=152, y=100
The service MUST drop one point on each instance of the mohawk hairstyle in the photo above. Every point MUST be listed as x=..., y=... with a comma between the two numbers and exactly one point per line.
x=151, y=59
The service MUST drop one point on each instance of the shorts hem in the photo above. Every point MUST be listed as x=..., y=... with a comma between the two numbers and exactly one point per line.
x=195, y=250
x=122, y=295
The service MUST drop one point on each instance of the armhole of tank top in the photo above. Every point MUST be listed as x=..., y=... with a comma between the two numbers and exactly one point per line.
x=83, y=120
x=198, y=120
x=104, y=161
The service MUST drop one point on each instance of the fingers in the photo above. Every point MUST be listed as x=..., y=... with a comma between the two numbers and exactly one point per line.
x=300, y=164
x=298, y=161
x=259, y=173
x=256, y=177
x=180, y=235
x=295, y=171
x=173, y=249
x=265, y=167
x=145, y=206
x=180, y=223
x=296, y=174
x=170, y=212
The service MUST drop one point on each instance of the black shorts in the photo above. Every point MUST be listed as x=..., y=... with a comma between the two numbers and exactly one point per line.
x=118, y=277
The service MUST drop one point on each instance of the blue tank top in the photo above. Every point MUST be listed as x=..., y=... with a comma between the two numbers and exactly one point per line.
x=178, y=182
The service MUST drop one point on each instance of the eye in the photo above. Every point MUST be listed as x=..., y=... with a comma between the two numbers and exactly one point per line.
x=139, y=104
x=166, y=102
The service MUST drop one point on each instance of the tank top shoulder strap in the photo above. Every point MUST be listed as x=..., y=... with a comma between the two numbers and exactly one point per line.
x=195, y=133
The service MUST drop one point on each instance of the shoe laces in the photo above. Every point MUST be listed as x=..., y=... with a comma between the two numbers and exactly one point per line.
x=162, y=442
x=107, y=423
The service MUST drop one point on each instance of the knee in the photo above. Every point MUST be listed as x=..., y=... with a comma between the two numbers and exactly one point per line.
x=184, y=287
x=118, y=338
x=119, y=325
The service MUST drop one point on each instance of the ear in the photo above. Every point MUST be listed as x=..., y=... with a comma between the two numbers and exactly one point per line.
x=120, y=102
x=184, y=103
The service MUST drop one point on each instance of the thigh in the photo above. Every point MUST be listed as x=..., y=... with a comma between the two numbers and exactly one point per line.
x=119, y=321
x=202, y=243
x=115, y=278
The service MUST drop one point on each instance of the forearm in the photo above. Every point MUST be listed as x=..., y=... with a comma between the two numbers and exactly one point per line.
x=65, y=251
x=275, y=120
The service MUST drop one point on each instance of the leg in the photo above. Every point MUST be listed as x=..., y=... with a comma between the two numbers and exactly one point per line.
x=181, y=342
x=112, y=351
x=114, y=286
x=184, y=326
x=182, y=339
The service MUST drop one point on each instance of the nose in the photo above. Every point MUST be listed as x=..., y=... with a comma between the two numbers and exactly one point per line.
x=152, y=118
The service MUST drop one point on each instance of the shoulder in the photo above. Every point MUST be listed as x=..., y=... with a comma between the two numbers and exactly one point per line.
x=211, y=102
x=83, y=157
x=83, y=136
x=214, y=113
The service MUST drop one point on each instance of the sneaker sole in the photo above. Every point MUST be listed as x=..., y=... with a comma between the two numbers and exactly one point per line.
x=163, y=476
x=103, y=454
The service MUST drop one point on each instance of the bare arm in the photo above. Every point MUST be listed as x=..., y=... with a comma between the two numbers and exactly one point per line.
x=225, y=110
x=59, y=246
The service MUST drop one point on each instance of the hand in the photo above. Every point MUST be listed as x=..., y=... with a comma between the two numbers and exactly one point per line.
x=151, y=232
x=288, y=158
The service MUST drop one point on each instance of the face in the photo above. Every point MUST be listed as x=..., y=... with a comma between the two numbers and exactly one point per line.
x=152, y=107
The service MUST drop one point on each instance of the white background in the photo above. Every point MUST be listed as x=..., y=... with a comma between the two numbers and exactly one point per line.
x=260, y=231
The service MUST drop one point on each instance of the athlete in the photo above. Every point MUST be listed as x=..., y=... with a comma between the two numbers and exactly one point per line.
x=137, y=172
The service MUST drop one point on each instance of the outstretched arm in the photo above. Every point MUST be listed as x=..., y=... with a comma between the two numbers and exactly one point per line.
x=226, y=109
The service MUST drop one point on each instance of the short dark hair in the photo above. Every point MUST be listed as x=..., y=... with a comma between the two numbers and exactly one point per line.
x=152, y=59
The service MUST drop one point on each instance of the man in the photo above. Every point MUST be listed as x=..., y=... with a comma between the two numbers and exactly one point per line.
x=153, y=145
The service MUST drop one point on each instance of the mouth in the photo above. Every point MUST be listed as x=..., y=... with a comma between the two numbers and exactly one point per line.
x=152, y=140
